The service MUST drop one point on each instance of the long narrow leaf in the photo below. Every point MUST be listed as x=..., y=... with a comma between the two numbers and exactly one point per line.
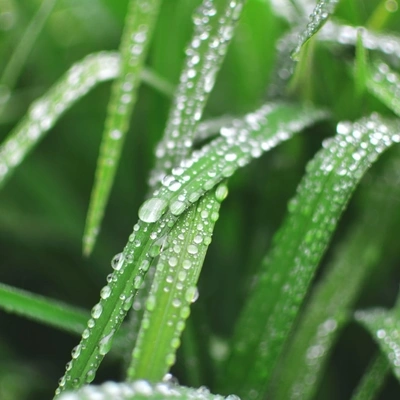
x=204, y=58
x=244, y=140
x=373, y=379
x=328, y=309
x=41, y=309
x=46, y=111
x=135, y=42
x=285, y=276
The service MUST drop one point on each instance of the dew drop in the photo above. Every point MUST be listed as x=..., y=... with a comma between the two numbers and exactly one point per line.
x=192, y=294
x=152, y=209
x=96, y=311
x=192, y=249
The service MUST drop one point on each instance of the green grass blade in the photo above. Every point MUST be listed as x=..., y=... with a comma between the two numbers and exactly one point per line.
x=384, y=327
x=205, y=54
x=361, y=66
x=328, y=309
x=18, y=59
x=282, y=284
x=174, y=289
x=142, y=390
x=373, y=379
x=135, y=42
x=384, y=83
x=38, y=308
x=46, y=111
x=245, y=139
x=319, y=16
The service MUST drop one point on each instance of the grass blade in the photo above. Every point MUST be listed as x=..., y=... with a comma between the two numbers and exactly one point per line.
x=384, y=326
x=205, y=54
x=135, y=42
x=373, y=379
x=161, y=328
x=384, y=83
x=174, y=289
x=245, y=139
x=45, y=111
x=142, y=390
x=282, y=284
x=328, y=309
x=38, y=308
x=319, y=16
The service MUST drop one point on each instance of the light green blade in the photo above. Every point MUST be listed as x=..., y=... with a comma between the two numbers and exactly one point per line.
x=373, y=379
x=135, y=42
x=46, y=111
x=286, y=273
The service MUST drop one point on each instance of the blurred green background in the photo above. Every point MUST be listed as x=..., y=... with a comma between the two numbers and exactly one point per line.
x=43, y=206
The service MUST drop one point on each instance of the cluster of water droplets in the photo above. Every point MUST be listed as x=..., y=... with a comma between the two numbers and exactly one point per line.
x=318, y=17
x=45, y=111
x=385, y=327
x=321, y=343
x=142, y=389
x=347, y=35
x=299, y=245
x=213, y=30
x=174, y=285
x=243, y=140
x=385, y=83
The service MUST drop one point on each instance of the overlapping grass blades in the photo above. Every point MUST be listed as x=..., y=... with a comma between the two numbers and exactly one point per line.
x=135, y=42
x=247, y=138
x=298, y=247
x=142, y=390
x=174, y=289
x=179, y=266
x=333, y=298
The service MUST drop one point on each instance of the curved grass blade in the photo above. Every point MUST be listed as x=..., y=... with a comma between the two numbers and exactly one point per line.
x=142, y=390
x=298, y=246
x=373, y=379
x=328, y=309
x=384, y=83
x=18, y=59
x=38, y=308
x=319, y=16
x=384, y=326
x=174, y=289
x=205, y=54
x=246, y=139
x=45, y=111
x=135, y=42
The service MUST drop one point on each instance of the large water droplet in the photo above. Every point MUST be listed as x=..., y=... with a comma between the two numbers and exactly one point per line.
x=152, y=209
